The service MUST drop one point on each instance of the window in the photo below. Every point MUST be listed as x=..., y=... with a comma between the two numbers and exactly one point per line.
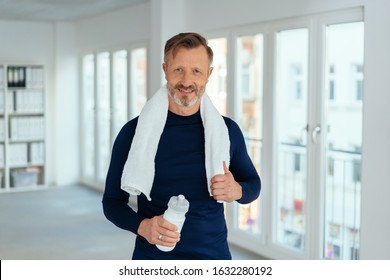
x=357, y=73
x=331, y=82
x=138, y=81
x=296, y=81
x=107, y=104
x=216, y=86
x=103, y=101
x=291, y=70
x=88, y=113
x=250, y=93
x=312, y=134
x=343, y=142
x=119, y=93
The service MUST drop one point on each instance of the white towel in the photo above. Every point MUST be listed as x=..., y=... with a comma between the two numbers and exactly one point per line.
x=138, y=171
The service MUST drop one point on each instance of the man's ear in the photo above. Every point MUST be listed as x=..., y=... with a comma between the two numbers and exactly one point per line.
x=211, y=70
x=165, y=69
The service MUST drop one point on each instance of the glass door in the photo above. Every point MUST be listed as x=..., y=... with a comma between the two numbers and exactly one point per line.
x=318, y=141
x=292, y=51
x=310, y=153
x=343, y=139
x=249, y=78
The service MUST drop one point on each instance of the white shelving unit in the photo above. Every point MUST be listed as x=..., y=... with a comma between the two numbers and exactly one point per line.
x=22, y=127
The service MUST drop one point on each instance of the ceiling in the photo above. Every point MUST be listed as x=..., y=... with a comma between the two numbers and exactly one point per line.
x=59, y=10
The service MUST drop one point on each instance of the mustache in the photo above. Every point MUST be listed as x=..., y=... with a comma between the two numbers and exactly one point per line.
x=180, y=86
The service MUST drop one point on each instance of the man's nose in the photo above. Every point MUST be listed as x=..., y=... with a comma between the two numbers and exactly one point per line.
x=187, y=79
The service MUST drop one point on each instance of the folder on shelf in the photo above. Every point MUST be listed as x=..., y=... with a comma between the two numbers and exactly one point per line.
x=18, y=154
x=27, y=128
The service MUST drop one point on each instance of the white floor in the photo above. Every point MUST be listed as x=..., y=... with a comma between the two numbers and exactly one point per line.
x=65, y=223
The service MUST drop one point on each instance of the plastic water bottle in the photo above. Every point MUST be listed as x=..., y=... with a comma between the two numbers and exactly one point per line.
x=175, y=214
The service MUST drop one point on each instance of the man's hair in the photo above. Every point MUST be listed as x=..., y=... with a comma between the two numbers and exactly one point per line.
x=188, y=40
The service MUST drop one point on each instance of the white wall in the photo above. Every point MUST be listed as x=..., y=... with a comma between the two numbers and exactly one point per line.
x=30, y=42
x=375, y=221
x=121, y=28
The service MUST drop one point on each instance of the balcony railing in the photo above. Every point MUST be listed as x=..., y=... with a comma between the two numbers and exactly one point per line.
x=341, y=193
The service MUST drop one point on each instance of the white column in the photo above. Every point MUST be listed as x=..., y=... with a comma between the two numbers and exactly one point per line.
x=167, y=19
x=375, y=223
x=65, y=148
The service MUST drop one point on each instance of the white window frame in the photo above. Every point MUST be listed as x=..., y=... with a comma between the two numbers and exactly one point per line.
x=94, y=182
x=263, y=243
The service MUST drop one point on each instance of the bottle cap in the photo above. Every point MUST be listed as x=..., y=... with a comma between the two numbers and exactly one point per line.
x=179, y=203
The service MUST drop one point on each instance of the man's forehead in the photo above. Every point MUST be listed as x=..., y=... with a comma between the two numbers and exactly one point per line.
x=183, y=49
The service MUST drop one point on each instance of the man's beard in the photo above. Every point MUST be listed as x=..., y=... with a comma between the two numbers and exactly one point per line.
x=183, y=100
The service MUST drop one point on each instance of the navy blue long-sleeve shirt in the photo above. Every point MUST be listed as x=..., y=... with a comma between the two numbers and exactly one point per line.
x=180, y=169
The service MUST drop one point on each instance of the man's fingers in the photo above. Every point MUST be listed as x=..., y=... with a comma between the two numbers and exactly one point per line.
x=168, y=239
x=167, y=234
x=218, y=191
x=174, y=235
x=225, y=168
x=218, y=185
x=221, y=177
x=167, y=225
x=218, y=178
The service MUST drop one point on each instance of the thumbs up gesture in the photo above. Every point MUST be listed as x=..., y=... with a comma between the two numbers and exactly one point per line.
x=224, y=187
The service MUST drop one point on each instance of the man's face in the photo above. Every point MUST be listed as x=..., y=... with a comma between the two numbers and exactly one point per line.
x=187, y=75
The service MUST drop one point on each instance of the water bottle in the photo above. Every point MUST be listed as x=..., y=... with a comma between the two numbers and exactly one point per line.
x=175, y=214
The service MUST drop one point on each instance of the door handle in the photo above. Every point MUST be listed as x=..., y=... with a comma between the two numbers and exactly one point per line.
x=316, y=130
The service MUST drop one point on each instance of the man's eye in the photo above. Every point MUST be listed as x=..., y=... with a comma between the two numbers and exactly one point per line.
x=178, y=70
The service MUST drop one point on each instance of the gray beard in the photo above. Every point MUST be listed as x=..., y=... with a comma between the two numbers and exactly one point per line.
x=183, y=102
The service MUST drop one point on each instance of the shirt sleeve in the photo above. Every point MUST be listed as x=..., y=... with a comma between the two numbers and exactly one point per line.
x=115, y=200
x=241, y=165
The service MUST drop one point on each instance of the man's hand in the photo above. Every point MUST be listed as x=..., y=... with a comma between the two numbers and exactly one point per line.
x=159, y=231
x=224, y=187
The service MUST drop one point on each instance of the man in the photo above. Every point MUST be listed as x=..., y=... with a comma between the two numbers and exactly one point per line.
x=180, y=167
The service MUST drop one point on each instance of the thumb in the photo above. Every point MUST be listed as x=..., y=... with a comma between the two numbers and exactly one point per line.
x=225, y=169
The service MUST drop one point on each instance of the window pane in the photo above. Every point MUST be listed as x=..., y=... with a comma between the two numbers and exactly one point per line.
x=88, y=116
x=291, y=102
x=103, y=114
x=119, y=106
x=344, y=52
x=250, y=85
x=138, y=81
x=216, y=87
